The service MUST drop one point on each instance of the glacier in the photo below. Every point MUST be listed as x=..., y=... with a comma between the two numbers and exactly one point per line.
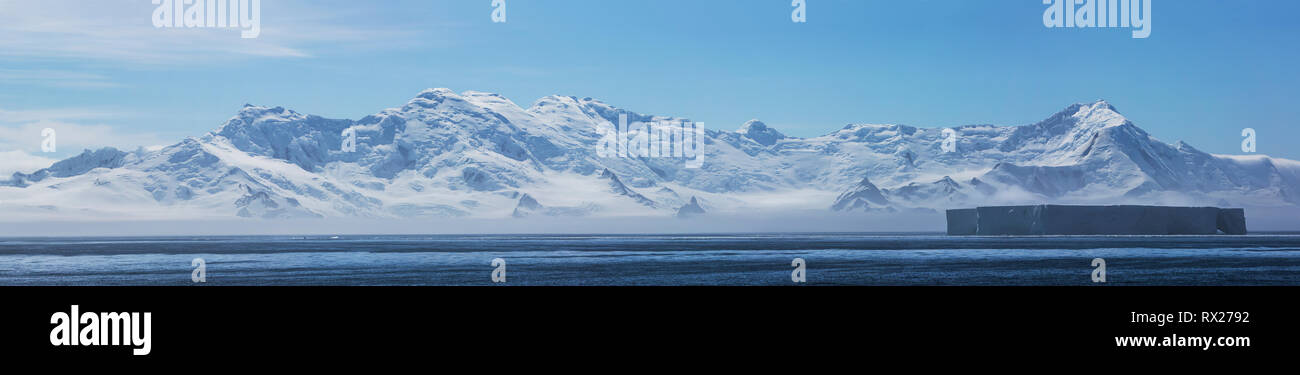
x=479, y=155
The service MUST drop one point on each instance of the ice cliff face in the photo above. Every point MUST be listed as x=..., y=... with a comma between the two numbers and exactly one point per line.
x=480, y=155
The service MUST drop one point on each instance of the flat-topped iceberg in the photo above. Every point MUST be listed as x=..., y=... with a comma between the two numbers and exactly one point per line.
x=1095, y=220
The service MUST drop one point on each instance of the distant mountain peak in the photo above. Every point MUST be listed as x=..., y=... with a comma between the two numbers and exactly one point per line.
x=863, y=196
x=250, y=113
x=752, y=125
x=616, y=186
x=435, y=93
x=693, y=208
x=1099, y=112
x=1070, y=131
x=107, y=157
x=759, y=132
x=1102, y=103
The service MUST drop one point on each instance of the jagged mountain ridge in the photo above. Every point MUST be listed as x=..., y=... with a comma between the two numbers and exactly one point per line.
x=479, y=154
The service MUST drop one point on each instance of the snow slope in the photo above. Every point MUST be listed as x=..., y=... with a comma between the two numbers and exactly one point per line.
x=475, y=154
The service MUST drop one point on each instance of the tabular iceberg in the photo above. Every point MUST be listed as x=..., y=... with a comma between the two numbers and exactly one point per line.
x=1095, y=220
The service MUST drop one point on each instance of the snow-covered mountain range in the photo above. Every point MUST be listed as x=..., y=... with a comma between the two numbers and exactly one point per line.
x=476, y=154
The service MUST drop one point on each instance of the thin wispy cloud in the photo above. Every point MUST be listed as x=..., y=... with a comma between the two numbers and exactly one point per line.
x=122, y=31
x=12, y=117
x=55, y=78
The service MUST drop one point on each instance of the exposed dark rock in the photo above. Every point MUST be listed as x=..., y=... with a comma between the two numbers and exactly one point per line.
x=616, y=186
x=864, y=196
x=691, y=209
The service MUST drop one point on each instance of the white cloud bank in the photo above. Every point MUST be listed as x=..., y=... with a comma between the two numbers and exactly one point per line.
x=21, y=136
x=20, y=161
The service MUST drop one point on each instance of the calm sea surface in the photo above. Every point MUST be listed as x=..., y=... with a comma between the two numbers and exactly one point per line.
x=724, y=259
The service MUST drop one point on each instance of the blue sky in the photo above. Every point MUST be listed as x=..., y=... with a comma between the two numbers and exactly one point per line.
x=101, y=74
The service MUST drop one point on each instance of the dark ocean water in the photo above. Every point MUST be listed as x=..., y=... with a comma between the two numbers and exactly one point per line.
x=725, y=259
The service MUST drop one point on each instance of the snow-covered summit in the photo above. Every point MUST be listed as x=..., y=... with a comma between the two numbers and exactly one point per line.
x=759, y=132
